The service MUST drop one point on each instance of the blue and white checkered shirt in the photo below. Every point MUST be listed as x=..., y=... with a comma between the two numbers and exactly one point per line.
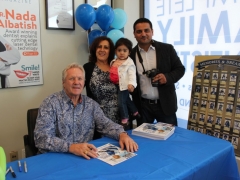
x=59, y=124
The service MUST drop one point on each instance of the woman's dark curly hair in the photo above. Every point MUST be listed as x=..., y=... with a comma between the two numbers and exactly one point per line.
x=94, y=46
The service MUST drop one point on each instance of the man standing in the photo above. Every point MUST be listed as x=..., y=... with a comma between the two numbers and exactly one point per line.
x=158, y=68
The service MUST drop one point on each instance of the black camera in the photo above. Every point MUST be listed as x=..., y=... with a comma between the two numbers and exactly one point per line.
x=151, y=74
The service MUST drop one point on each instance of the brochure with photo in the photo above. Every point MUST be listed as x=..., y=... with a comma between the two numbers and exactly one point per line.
x=113, y=155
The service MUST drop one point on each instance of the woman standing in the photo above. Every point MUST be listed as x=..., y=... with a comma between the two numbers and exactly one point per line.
x=98, y=84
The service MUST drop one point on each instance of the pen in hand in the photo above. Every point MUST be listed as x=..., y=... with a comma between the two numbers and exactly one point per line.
x=19, y=166
x=12, y=172
x=25, y=166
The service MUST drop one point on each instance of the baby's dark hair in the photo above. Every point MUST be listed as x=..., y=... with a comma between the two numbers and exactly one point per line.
x=124, y=41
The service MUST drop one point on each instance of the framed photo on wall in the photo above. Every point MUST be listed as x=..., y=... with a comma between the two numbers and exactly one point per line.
x=97, y=3
x=60, y=14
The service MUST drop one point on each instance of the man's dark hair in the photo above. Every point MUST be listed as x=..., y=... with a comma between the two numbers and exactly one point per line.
x=142, y=20
x=124, y=41
x=94, y=46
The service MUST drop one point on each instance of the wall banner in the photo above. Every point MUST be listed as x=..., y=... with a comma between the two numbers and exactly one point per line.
x=20, y=46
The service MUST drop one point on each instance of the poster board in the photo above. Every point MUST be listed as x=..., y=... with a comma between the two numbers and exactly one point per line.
x=20, y=44
x=215, y=98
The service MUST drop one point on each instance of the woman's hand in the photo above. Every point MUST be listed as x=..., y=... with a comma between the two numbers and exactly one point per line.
x=84, y=149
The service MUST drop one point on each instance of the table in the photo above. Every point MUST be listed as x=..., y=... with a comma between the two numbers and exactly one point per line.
x=185, y=155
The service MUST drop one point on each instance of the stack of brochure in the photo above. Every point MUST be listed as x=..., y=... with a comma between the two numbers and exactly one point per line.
x=158, y=131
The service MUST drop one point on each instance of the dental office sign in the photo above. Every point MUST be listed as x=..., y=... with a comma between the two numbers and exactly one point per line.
x=20, y=46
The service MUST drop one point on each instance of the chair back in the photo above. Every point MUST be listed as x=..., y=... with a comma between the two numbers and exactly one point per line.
x=29, y=143
x=31, y=122
x=2, y=164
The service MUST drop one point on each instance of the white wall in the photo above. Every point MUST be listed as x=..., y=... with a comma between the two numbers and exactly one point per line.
x=132, y=9
x=59, y=48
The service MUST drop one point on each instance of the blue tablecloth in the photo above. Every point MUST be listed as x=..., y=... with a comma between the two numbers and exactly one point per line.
x=184, y=155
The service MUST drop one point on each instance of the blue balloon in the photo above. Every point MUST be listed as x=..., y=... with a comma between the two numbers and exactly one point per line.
x=115, y=34
x=104, y=16
x=120, y=19
x=93, y=35
x=107, y=31
x=85, y=16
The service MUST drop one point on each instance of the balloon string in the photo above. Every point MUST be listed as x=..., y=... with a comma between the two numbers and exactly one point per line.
x=88, y=42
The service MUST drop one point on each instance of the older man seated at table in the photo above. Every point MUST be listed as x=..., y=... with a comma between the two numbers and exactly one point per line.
x=67, y=119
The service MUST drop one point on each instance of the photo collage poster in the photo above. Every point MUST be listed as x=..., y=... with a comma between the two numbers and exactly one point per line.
x=215, y=98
